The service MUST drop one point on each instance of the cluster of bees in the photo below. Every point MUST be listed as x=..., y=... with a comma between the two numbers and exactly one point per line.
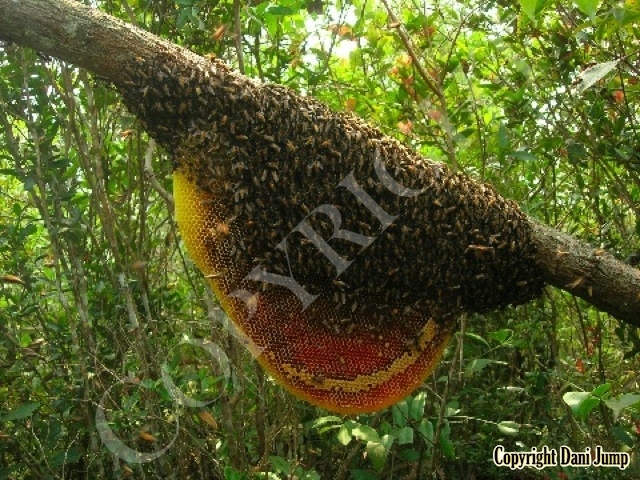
x=265, y=158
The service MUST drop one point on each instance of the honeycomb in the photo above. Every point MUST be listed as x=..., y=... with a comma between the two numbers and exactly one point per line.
x=361, y=254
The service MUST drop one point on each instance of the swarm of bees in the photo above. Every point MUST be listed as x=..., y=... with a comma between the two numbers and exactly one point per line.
x=260, y=161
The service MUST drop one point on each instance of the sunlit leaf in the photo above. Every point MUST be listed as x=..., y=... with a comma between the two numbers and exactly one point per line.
x=592, y=74
x=417, y=406
x=377, y=451
x=400, y=413
x=344, y=435
x=405, y=435
x=319, y=422
x=529, y=7
x=365, y=433
x=509, y=428
x=588, y=7
x=624, y=401
x=574, y=399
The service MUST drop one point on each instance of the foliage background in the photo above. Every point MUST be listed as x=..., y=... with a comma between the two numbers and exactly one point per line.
x=96, y=286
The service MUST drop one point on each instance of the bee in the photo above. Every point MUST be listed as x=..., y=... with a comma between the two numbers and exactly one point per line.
x=315, y=166
x=240, y=194
x=215, y=275
x=291, y=146
x=339, y=284
x=479, y=249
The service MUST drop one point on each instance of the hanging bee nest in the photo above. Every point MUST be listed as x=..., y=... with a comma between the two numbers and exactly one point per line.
x=356, y=253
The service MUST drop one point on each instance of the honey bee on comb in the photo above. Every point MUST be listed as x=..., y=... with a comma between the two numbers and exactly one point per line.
x=360, y=252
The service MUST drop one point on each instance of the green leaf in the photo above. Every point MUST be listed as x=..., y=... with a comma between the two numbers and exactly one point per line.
x=405, y=435
x=409, y=455
x=25, y=340
x=65, y=457
x=476, y=337
x=529, y=7
x=574, y=400
x=400, y=413
x=23, y=411
x=308, y=475
x=344, y=435
x=588, y=7
x=445, y=442
x=426, y=430
x=377, y=454
x=29, y=182
x=378, y=451
x=532, y=7
x=148, y=383
x=511, y=388
x=591, y=75
x=9, y=171
x=622, y=436
x=319, y=422
x=231, y=474
x=501, y=336
x=365, y=433
x=509, y=428
x=279, y=10
x=417, y=406
x=26, y=231
x=581, y=403
x=619, y=404
x=357, y=474
x=587, y=405
x=601, y=390
x=522, y=155
x=478, y=364
x=503, y=137
x=280, y=465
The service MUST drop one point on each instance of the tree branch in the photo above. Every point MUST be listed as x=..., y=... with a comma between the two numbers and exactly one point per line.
x=88, y=38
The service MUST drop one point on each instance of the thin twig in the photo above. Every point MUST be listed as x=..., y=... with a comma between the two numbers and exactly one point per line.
x=238, y=35
x=426, y=77
x=151, y=177
x=433, y=84
x=445, y=394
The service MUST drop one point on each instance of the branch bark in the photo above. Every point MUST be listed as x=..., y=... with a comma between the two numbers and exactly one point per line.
x=104, y=45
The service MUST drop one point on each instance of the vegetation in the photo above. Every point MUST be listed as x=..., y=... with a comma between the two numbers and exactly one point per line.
x=101, y=310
